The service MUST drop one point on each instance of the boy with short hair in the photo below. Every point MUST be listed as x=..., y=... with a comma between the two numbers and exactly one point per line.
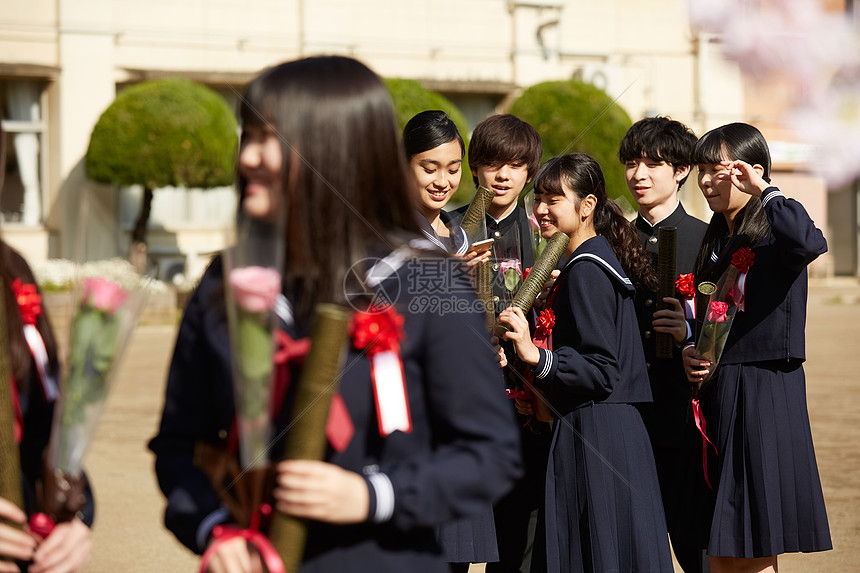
x=504, y=155
x=656, y=153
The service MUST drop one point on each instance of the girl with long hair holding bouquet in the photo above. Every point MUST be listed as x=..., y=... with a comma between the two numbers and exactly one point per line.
x=602, y=509
x=320, y=135
x=766, y=496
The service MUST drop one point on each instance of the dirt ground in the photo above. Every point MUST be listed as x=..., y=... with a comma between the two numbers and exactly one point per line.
x=129, y=535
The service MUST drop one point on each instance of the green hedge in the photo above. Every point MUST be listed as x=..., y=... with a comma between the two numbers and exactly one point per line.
x=411, y=98
x=164, y=132
x=574, y=116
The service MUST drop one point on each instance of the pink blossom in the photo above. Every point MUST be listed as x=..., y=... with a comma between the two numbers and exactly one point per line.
x=255, y=288
x=511, y=264
x=718, y=312
x=533, y=222
x=103, y=294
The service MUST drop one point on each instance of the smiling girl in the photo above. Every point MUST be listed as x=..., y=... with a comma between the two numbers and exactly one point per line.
x=602, y=506
x=767, y=496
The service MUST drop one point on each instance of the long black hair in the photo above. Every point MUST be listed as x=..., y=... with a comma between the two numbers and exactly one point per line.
x=344, y=170
x=582, y=174
x=428, y=130
x=735, y=141
x=13, y=266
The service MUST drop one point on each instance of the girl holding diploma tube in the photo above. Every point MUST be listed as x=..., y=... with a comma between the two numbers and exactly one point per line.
x=320, y=135
x=602, y=508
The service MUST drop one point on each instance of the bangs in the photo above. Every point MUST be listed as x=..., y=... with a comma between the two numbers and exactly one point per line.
x=550, y=178
x=709, y=149
x=255, y=107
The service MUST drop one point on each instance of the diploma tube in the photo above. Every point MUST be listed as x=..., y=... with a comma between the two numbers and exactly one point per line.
x=474, y=218
x=540, y=273
x=703, y=296
x=307, y=438
x=10, y=468
x=484, y=287
x=666, y=240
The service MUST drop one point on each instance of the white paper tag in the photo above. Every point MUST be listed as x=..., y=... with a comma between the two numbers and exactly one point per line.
x=389, y=388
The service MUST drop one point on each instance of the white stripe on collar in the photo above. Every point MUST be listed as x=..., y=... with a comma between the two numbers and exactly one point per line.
x=465, y=246
x=435, y=240
x=677, y=204
x=623, y=279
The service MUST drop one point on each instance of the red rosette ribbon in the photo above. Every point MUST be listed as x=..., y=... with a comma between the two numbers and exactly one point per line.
x=379, y=332
x=544, y=323
x=223, y=533
x=685, y=285
x=717, y=312
x=743, y=259
x=526, y=273
x=29, y=301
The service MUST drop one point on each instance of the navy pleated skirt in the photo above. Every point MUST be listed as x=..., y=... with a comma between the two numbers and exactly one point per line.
x=470, y=539
x=603, y=510
x=766, y=488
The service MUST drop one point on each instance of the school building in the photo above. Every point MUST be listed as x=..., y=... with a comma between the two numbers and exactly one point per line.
x=63, y=61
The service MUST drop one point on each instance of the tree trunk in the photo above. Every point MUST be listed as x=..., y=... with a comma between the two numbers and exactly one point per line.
x=138, y=235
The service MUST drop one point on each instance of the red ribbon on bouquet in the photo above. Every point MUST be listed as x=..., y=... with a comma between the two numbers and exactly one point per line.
x=252, y=535
x=699, y=417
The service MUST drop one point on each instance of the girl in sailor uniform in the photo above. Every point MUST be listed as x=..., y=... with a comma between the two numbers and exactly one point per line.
x=34, y=367
x=434, y=150
x=602, y=508
x=320, y=140
x=766, y=496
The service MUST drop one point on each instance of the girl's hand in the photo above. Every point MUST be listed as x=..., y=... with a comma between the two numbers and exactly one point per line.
x=696, y=367
x=14, y=543
x=671, y=321
x=501, y=358
x=235, y=556
x=520, y=335
x=746, y=177
x=524, y=407
x=321, y=491
x=540, y=301
x=65, y=550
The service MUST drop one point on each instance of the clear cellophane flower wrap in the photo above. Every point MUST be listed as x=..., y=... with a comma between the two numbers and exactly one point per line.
x=107, y=301
x=724, y=303
x=253, y=281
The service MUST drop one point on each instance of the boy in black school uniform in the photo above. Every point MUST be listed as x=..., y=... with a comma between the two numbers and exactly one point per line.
x=656, y=153
x=504, y=155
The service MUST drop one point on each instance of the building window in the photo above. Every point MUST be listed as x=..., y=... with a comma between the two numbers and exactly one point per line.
x=20, y=102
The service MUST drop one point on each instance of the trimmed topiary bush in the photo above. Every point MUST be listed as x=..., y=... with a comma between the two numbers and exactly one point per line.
x=411, y=98
x=163, y=132
x=574, y=116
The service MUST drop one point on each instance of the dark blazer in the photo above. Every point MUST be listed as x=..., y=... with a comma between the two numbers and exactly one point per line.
x=773, y=324
x=461, y=455
x=666, y=417
x=593, y=359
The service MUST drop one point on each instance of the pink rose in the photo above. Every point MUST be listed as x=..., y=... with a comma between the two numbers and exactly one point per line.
x=255, y=288
x=103, y=294
x=718, y=311
x=508, y=264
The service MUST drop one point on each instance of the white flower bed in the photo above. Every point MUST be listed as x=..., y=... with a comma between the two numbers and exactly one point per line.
x=60, y=274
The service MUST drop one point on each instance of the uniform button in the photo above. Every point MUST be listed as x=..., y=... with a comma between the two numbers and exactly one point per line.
x=496, y=266
x=222, y=434
x=497, y=235
x=495, y=299
x=652, y=240
x=647, y=334
x=647, y=366
x=649, y=302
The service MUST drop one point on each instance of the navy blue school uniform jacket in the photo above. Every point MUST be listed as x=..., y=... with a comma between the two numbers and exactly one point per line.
x=602, y=504
x=456, y=243
x=766, y=497
x=461, y=454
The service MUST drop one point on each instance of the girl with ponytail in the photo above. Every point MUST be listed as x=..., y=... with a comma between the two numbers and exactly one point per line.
x=589, y=374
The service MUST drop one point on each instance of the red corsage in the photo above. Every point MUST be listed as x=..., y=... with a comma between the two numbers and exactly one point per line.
x=29, y=301
x=379, y=330
x=685, y=285
x=743, y=259
x=544, y=323
x=718, y=311
x=514, y=394
x=526, y=273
